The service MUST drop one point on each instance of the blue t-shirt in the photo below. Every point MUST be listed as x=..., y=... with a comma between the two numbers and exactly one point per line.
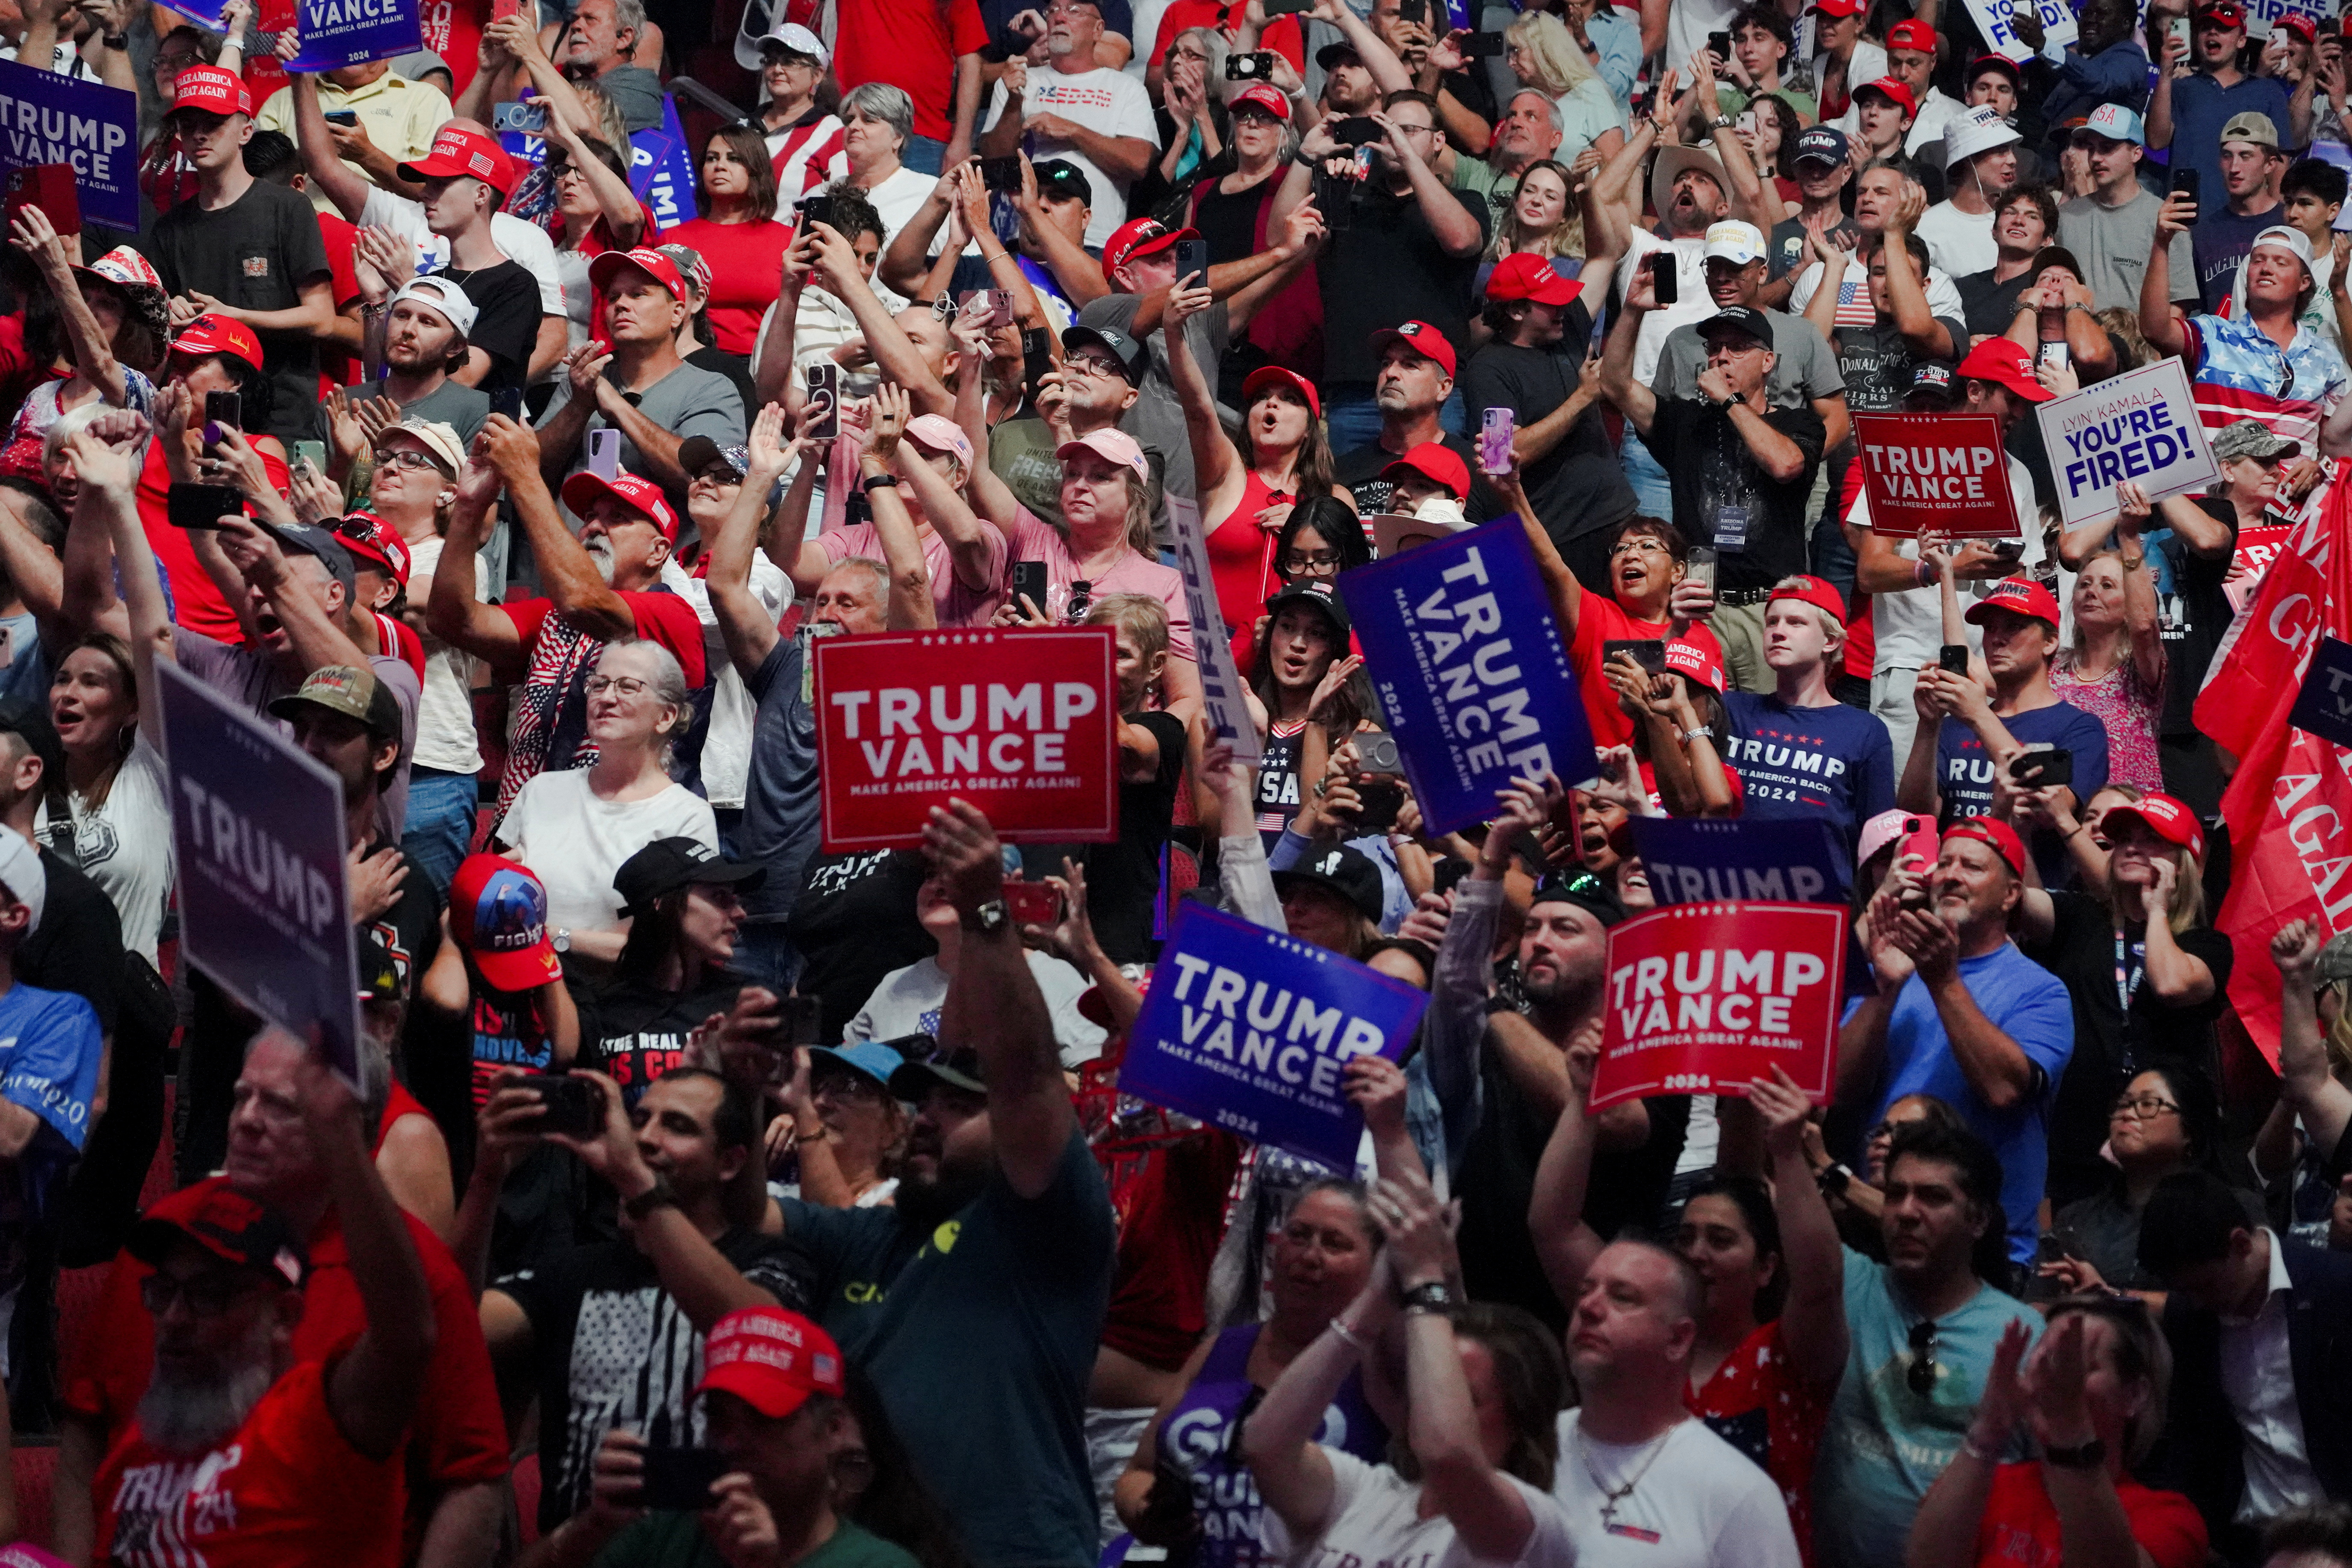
x=2201, y=107
x=1964, y=772
x=1834, y=761
x=1885, y=1446
x=2028, y=1005
x=2220, y=242
x=48, y=1058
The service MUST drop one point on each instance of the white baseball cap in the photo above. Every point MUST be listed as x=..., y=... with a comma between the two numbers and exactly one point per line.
x=1734, y=241
x=1980, y=130
x=21, y=874
x=2286, y=239
x=749, y=52
x=442, y=294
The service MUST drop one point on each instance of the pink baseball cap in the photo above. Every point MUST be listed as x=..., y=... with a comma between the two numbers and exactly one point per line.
x=938, y=433
x=1110, y=443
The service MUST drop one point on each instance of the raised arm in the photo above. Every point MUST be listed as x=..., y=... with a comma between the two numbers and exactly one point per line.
x=93, y=351
x=1813, y=1333
x=1906, y=294
x=107, y=472
x=1565, y=1244
x=1944, y=1534
x=1220, y=479
x=1636, y=402
x=994, y=1005
x=1293, y=1475
x=577, y=590
x=2159, y=321
x=2324, y=1104
x=452, y=612
x=1996, y=1066
x=894, y=352
x=910, y=597
x=744, y=623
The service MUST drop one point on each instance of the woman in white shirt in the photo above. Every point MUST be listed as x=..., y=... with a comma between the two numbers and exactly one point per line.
x=1544, y=55
x=1471, y=1482
x=576, y=827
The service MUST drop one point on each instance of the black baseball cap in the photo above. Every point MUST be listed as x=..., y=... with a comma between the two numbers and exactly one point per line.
x=1739, y=318
x=1330, y=56
x=1059, y=176
x=1318, y=592
x=671, y=865
x=379, y=976
x=1583, y=889
x=1132, y=356
x=1343, y=871
x=309, y=539
x=951, y=1068
x=23, y=716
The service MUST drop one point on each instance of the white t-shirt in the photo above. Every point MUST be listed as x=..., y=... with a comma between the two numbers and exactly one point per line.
x=525, y=244
x=576, y=842
x=1692, y=301
x=125, y=846
x=1689, y=22
x=727, y=747
x=1911, y=623
x=1376, y=1521
x=1943, y=298
x=1959, y=242
x=908, y=1001
x=1696, y=1502
x=445, y=740
x=1107, y=103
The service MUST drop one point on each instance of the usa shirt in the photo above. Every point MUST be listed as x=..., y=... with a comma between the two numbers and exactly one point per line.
x=1834, y=761
x=2241, y=375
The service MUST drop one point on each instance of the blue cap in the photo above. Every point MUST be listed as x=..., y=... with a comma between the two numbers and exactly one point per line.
x=2116, y=123
x=1822, y=142
x=871, y=1058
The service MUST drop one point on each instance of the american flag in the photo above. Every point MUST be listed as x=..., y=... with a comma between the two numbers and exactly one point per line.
x=1853, y=308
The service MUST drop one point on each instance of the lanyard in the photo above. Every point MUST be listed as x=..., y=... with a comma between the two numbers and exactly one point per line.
x=2127, y=979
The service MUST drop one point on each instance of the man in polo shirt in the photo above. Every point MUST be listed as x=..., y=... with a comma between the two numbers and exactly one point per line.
x=2195, y=98
x=633, y=380
x=2224, y=231
x=1410, y=387
x=604, y=584
x=397, y=118
x=1800, y=750
x=245, y=250
x=1980, y=166
x=423, y=329
x=2266, y=364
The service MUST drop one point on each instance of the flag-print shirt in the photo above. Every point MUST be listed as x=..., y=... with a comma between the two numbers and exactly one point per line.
x=2241, y=375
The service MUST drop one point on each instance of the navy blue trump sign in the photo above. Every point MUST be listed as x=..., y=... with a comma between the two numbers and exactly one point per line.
x=257, y=831
x=1252, y=1031
x=1462, y=646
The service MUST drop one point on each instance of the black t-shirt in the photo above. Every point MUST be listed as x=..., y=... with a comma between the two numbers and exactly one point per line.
x=636, y=1365
x=1382, y=269
x=854, y=923
x=2195, y=615
x=634, y=1031
x=1123, y=877
x=1991, y=307
x=1713, y=473
x=256, y=254
x=1360, y=470
x=506, y=327
x=1876, y=364
x=410, y=930
x=718, y=362
x=78, y=947
x=1579, y=486
x=2109, y=1046
x=1229, y=223
x=1787, y=251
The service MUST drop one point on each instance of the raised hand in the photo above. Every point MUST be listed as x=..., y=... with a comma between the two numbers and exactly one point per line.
x=2295, y=949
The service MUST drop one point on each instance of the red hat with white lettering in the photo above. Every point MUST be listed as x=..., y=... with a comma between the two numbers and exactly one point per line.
x=2019, y=596
x=2169, y=819
x=1692, y=661
x=458, y=151
x=581, y=490
x=772, y=1360
x=208, y=335
x=1814, y=591
x=2007, y=362
x=212, y=89
x=2000, y=835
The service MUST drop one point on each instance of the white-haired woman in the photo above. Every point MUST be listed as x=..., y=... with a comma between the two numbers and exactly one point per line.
x=574, y=827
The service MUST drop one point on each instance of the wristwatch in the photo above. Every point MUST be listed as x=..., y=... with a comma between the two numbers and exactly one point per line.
x=659, y=1196
x=1833, y=1179
x=116, y=40
x=561, y=941
x=1433, y=1296
x=1721, y=122
x=990, y=917
x=2087, y=1455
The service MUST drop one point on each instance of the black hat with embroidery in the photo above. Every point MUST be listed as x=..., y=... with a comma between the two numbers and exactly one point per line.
x=1346, y=874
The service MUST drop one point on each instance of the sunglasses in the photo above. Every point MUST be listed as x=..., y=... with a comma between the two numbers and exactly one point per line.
x=1920, y=1375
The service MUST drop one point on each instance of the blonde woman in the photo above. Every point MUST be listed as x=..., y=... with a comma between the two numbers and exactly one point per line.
x=2115, y=669
x=1544, y=55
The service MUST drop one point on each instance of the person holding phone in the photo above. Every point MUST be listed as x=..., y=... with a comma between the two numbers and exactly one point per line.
x=2200, y=89
x=1079, y=108
x=393, y=118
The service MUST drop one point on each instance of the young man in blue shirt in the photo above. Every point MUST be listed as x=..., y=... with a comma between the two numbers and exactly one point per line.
x=1800, y=752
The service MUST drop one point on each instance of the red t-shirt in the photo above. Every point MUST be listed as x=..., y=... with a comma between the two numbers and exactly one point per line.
x=2018, y=1527
x=1601, y=621
x=747, y=263
x=396, y=638
x=1756, y=1396
x=913, y=45
x=1281, y=36
x=1240, y=562
x=459, y=1436
x=663, y=618
x=1170, y=1213
x=336, y=366
x=453, y=29
x=285, y=1488
x=196, y=602
x=397, y=1104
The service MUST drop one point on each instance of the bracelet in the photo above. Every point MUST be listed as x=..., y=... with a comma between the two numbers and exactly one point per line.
x=1701, y=733
x=873, y=482
x=993, y=260
x=1923, y=574
x=1348, y=1337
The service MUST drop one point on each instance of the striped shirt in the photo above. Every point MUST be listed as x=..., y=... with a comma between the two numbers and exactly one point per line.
x=2241, y=375
x=809, y=156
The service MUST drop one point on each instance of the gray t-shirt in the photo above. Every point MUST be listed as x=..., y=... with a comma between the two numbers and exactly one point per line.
x=453, y=403
x=637, y=94
x=1804, y=366
x=2111, y=244
x=686, y=402
x=1158, y=420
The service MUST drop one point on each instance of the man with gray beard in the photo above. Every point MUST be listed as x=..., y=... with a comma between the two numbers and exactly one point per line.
x=242, y=1452
x=456, y=1444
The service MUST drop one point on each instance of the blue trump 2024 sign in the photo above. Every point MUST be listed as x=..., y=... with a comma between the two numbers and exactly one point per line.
x=1252, y=1031
x=1463, y=648
x=45, y=118
x=1777, y=860
x=258, y=830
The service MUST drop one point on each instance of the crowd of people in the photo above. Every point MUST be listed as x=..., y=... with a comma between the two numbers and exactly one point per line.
x=706, y=1197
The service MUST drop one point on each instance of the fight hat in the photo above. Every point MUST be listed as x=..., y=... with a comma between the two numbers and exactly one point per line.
x=498, y=912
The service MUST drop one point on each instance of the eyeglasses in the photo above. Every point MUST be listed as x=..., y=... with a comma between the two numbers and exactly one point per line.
x=1920, y=1375
x=1317, y=561
x=2142, y=1107
x=1416, y=129
x=563, y=174
x=1094, y=365
x=1638, y=547
x=626, y=685
x=207, y=1295
x=404, y=458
